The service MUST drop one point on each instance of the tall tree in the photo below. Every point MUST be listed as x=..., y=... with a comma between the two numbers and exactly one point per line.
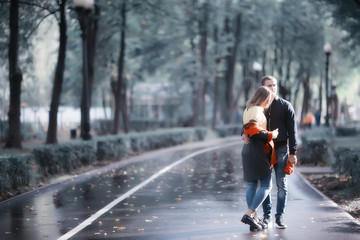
x=203, y=29
x=15, y=78
x=118, y=86
x=231, y=63
x=92, y=34
x=217, y=78
x=58, y=77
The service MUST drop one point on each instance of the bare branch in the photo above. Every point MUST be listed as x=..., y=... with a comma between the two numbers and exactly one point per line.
x=37, y=25
x=39, y=6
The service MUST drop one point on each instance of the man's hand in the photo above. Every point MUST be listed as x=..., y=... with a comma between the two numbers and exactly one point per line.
x=292, y=159
x=246, y=139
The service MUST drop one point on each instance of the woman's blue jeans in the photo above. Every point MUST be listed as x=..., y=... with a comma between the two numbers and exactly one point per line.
x=255, y=198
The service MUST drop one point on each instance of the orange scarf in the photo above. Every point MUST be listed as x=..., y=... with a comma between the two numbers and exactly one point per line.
x=252, y=128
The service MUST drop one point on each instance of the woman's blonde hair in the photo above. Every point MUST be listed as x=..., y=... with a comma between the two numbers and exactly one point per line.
x=262, y=94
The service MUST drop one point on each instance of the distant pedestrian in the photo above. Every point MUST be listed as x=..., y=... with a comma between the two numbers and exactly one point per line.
x=333, y=105
x=258, y=155
x=308, y=120
x=318, y=117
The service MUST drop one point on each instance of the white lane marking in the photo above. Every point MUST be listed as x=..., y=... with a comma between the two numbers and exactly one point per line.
x=95, y=216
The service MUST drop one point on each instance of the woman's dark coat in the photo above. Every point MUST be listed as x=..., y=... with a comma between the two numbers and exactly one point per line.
x=258, y=153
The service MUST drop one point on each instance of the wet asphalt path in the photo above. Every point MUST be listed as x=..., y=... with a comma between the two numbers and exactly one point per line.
x=202, y=197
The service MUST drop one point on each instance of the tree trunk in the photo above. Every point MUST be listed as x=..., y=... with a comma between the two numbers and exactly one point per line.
x=280, y=48
x=15, y=78
x=287, y=94
x=203, y=45
x=114, y=88
x=231, y=69
x=217, y=80
x=120, y=105
x=264, y=64
x=58, y=78
x=91, y=48
x=104, y=103
x=297, y=89
x=195, y=90
x=246, y=78
x=307, y=95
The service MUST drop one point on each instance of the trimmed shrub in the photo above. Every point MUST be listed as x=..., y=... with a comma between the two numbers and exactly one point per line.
x=141, y=142
x=347, y=162
x=200, y=133
x=313, y=150
x=15, y=171
x=315, y=145
x=345, y=131
x=229, y=130
x=49, y=160
x=112, y=147
x=5, y=179
x=64, y=158
x=20, y=171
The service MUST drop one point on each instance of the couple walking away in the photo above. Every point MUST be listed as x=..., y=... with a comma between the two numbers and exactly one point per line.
x=270, y=143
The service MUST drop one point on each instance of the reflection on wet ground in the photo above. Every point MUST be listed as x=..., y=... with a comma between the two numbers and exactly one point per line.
x=54, y=212
x=194, y=193
x=202, y=198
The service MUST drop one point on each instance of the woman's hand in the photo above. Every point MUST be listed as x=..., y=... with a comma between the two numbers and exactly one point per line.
x=275, y=133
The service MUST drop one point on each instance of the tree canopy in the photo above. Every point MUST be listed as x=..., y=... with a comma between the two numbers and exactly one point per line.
x=195, y=48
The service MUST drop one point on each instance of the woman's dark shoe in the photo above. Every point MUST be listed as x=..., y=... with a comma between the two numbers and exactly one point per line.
x=252, y=222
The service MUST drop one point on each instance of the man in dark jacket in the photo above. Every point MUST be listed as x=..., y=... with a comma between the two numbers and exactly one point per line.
x=280, y=115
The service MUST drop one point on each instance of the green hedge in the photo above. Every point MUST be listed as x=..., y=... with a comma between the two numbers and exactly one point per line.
x=229, y=130
x=314, y=145
x=51, y=160
x=64, y=158
x=15, y=171
x=347, y=162
x=346, y=131
x=112, y=147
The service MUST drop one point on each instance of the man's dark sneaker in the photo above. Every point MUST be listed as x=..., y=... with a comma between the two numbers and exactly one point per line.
x=254, y=226
x=265, y=223
x=261, y=223
x=280, y=223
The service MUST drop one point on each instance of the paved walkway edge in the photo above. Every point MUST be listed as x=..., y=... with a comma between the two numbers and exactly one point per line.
x=346, y=214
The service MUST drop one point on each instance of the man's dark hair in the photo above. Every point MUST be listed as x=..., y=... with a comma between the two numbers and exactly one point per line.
x=267, y=78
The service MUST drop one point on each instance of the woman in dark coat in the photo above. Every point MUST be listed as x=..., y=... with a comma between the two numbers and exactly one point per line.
x=259, y=155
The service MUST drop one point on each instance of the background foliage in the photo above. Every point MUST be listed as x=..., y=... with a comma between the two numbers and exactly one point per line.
x=163, y=46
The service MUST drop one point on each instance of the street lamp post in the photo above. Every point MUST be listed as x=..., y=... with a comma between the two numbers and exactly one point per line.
x=84, y=8
x=327, y=50
x=257, y=68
